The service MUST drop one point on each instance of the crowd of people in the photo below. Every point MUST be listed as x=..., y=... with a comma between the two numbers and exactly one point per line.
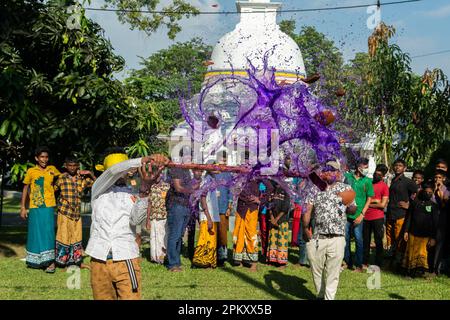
x=404, y=220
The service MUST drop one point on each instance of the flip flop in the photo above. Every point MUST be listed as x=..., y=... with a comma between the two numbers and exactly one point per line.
x=50, y=270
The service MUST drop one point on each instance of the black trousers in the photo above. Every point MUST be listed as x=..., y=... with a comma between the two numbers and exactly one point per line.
x=377, y=227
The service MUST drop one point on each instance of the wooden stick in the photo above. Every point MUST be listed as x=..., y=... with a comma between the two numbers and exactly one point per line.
x=209, y=167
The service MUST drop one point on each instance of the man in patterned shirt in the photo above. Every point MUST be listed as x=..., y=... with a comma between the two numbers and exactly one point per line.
x=326, y=244
x=71, y=184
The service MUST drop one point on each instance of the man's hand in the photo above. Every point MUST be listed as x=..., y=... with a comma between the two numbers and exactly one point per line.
x=431, y=243
x=228, y=212
x=274, y=221
x=210, y=225
x=307, y=234
x=358, y=220
x=156, y=159
x=24, y=213
x=147, y=175
x=254, y=199
x=403, y=204
x=85, y=173
x=406, y=237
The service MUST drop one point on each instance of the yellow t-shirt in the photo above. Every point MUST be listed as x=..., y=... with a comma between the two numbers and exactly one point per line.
x=42, y=192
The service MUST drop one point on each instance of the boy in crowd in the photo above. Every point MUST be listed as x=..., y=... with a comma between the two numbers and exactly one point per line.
x=374, y=218
x=400, y=192
x=420, y=232
x=363, y=187
x=418, y=178
x=70, y=185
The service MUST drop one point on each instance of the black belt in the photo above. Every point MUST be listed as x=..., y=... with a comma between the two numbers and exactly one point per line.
x=329, y=236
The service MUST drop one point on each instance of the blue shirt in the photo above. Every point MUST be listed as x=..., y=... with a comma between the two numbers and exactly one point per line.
x=225, y=196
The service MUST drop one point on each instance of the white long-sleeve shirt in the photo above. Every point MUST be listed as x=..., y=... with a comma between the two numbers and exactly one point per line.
x=111, y=210
x=108, y=178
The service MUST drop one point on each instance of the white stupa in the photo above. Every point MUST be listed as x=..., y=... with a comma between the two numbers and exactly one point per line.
x=257, y=34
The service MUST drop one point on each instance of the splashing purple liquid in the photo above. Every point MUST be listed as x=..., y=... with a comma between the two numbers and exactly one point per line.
x=231, y=103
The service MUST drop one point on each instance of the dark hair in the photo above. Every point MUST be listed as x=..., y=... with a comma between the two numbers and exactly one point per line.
x=362, y=161
x=440, y=172
x=427, y=185
x=382, y=168
x=41, y=149
x=420, y=172
x=71, y=159
x=403, y=162
x=441, y=161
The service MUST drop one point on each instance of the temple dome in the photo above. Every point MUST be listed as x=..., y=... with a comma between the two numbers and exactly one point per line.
x=256, y=35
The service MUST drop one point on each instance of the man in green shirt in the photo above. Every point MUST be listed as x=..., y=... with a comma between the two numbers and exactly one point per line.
x=363, y=187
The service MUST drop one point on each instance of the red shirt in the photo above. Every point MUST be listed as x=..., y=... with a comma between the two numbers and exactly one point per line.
x=381, y=190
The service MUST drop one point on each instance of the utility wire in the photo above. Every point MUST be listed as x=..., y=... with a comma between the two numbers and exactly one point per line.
x=431, y=54
x=378, y=4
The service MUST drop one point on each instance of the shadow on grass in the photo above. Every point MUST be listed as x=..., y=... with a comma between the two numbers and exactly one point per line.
x=291, y=285
x=396, y=296
x=285, y=286
x=7, y=251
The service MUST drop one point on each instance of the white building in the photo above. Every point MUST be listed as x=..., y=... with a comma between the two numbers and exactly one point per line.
x=256, y=36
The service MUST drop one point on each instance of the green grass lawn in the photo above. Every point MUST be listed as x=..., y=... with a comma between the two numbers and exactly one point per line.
x=19, y=282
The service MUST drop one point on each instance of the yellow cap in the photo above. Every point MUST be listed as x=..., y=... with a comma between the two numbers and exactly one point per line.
x=111, y=160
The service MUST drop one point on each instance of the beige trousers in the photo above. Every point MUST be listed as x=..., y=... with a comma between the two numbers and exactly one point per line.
x=110, y=280
x=325, y=257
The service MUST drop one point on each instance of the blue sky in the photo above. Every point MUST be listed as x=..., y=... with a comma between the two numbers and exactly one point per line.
x=422, y=27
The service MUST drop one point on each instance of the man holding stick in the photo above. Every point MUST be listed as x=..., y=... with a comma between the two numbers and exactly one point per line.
x=115, y=266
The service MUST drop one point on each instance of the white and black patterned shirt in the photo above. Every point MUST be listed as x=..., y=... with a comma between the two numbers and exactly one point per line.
x=329, y=211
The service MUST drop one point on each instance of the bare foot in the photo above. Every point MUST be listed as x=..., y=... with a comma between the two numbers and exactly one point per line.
x=253, y=267
x=85, y=266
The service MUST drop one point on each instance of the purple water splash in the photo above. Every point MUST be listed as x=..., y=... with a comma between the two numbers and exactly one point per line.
x=258, y=102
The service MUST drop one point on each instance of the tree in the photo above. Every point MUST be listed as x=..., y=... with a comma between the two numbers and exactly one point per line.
x=165, y=75
x=169, y=15
x=409, y=115
x=58, y=87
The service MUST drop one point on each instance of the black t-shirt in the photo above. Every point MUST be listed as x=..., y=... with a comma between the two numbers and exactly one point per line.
x=282, y=203
x=422, y=219
x=401, y=189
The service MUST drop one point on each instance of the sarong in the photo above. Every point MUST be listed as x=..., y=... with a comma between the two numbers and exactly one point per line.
x=158, y=240
x=278, y=244
x=205, y=254
x=245, y=237
x=69, y=249
x=416, y=255
x=41, y=237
